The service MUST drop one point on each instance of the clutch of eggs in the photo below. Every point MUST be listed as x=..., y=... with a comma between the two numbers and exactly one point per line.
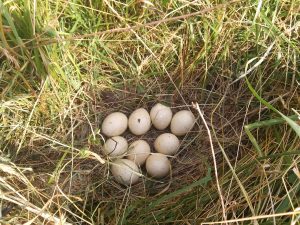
x=127, y=171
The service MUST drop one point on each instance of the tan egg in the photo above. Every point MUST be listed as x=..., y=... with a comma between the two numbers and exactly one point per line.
x=161, y=116
x=125, y=171
x=114, y=124
x=115, y=146
x=139, y=121
x=158, y=165
x=138, y=152
x=182, y=122
x=167, y=144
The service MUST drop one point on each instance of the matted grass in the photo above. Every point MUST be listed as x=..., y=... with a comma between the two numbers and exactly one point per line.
x=67, y=64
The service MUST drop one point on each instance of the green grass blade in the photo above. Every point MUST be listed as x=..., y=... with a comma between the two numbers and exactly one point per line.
x=292, y=123
x=253, y=141
x=183, y=190
x=265, y=123
x=9, y=20
x=201, y=182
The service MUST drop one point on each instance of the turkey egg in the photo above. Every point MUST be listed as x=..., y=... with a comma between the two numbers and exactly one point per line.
x=167, y=144
x=138, y=152
x=182, y=122
x=161, y=116
x=115, y=146
x=158, y=165
x=125, y=171
x=114, y=124
x=139, y=121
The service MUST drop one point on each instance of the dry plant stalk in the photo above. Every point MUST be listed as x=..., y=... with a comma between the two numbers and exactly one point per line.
x=196, y=106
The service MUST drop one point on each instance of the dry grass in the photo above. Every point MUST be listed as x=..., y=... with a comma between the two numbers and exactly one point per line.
x=67, y=64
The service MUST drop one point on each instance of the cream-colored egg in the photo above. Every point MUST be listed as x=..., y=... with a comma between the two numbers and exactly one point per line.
x=161, y=116
x=158, y=165
x=114, y=124
x=125, y=171
x=167, y=144
x=182, y=122
x=139, y=121
x=138, y=152
x=115, y=146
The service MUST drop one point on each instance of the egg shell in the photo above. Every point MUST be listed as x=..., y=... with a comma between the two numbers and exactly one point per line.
x=161, y=116
x=114, y=124
x=139, y=121
x=115, y=146
x=138, y=152
x=182, y=122
x=167, y=144
x=125, y=171
x=158, y=165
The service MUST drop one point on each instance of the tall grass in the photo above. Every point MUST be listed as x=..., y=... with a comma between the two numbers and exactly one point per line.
x=66, y=64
